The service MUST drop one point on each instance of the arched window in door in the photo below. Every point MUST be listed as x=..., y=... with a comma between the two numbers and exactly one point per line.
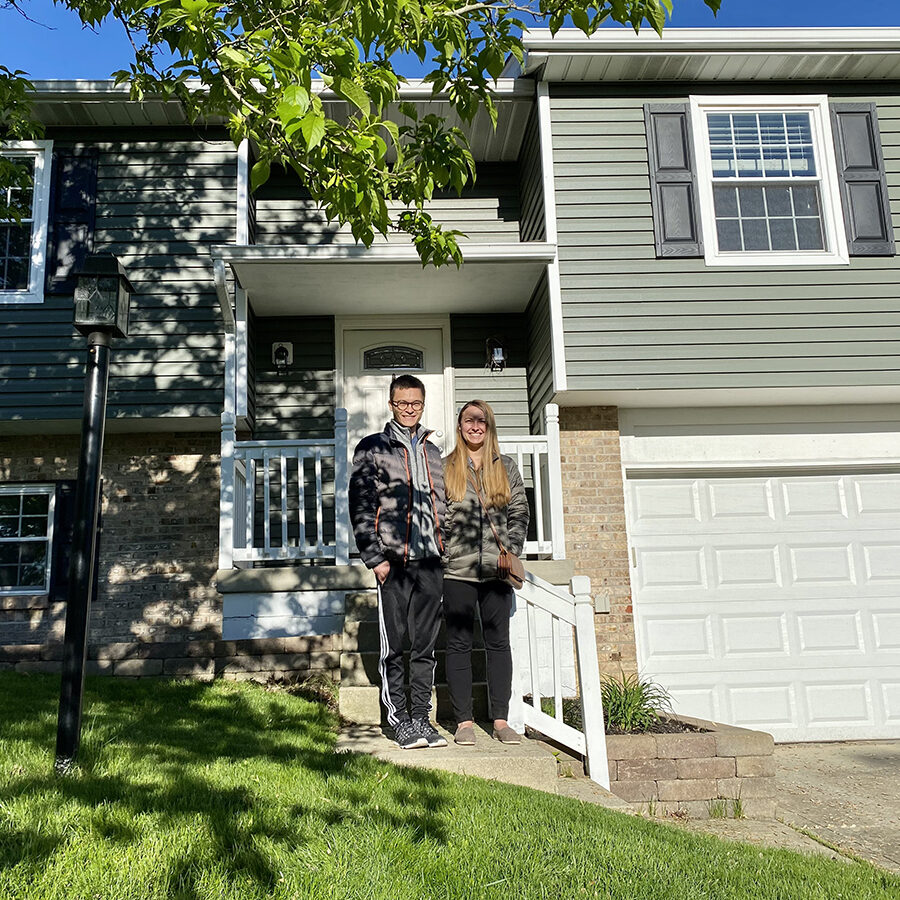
x=393, y=358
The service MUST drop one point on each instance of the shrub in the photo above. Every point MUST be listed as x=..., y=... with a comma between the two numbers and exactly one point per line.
x=632, y=703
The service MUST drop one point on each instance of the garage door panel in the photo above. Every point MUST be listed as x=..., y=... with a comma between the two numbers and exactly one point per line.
x=881, y=561
x=792, y=706
x=886, y=629
x=771, y=635
x=877, y=495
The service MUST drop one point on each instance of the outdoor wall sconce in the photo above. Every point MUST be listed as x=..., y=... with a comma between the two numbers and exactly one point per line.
x=102, y=300
x=282, y=355
x=496, y=355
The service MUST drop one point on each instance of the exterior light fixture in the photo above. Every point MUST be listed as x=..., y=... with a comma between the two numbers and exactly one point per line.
x=496, y=355
x=102, y=298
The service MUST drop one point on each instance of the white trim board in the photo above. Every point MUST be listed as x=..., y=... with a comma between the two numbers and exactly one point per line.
x=759, y=437
x=554, y=288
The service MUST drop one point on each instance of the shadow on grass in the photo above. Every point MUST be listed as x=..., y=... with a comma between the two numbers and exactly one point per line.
x=157, y=747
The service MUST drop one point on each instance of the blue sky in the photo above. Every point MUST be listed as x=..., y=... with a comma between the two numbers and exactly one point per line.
x=59, y=47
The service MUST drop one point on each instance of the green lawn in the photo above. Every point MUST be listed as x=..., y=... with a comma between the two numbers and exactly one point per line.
x=192, y=791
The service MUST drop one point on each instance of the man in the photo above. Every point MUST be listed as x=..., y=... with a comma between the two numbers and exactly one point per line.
x=397, y=508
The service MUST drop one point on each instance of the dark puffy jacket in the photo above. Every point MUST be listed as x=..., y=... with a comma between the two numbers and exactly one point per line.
x=382, y=497
x=471, y=551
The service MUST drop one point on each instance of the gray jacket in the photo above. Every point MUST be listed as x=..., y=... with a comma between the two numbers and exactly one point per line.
x=471, y=551
x=397, y=496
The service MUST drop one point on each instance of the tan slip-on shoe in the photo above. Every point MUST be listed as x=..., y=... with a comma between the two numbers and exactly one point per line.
x=507, y=736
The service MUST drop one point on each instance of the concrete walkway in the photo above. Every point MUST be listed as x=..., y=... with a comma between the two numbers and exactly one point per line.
x=846, y=795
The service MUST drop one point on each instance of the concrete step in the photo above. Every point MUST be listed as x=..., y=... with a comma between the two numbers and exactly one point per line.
x=362, y=668
x=360, y=703
x=528, y=764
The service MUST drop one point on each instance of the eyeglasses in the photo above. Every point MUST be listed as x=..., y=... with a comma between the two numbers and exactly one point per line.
x=414, y=405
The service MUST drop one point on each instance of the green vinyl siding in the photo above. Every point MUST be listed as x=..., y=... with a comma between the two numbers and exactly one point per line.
x=506, y=391
x=540, y=359
x=486, y=211
x=296, y=404
x=160, y=204
x=634, y=321
x=531, y=185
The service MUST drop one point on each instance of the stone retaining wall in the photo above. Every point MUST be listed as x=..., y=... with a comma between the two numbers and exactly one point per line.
x=695, y=773
x=250, y=660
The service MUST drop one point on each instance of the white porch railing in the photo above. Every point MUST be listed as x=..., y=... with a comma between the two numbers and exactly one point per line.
x=550, y=630
x=538, y=458
x=283, y=500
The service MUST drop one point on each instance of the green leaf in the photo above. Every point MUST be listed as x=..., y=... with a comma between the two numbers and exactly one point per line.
x=259, y=174
x=313, y=127
x=353, y=93
x=580, y=20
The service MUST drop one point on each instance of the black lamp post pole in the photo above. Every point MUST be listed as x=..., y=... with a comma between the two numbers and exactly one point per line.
x=84, y=542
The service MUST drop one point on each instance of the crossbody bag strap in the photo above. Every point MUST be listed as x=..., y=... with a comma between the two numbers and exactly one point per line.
x=490, y=521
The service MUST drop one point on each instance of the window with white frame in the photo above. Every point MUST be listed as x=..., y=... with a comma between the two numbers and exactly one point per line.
x=26, y=536
x=767, y=181
x=23, y=243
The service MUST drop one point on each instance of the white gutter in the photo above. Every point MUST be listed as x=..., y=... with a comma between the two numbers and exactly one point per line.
x=624, y=40
x=413, y=89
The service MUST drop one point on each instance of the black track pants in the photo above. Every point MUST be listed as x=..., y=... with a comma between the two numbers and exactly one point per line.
x=409, y=603
x=494, y=602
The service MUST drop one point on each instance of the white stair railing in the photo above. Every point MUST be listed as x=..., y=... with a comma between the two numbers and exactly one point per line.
x=551, y=631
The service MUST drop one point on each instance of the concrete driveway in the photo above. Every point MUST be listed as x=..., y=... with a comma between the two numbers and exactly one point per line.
x=845, y=793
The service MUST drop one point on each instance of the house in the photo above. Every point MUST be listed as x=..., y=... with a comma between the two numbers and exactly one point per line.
x=683, y=250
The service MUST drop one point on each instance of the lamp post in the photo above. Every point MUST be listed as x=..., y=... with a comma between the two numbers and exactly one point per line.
x=102, y=298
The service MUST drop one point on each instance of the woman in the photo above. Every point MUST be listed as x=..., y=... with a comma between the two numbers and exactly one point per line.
x=471, y=553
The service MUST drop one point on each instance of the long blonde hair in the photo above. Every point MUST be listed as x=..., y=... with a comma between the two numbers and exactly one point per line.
x=494, y=480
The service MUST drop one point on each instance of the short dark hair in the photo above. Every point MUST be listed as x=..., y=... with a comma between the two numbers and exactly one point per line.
x=406, y=382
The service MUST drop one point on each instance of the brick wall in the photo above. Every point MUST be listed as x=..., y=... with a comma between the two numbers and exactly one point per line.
x=158, y=550
x=594, y=509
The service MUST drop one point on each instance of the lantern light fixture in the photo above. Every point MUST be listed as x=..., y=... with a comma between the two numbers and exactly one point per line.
x=496, y=355
x=102, y=296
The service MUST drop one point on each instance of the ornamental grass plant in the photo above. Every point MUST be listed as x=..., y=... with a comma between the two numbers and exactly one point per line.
x=224, y=791
x=632, y=703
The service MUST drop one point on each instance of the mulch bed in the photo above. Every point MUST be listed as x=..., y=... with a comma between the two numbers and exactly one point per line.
x=664, y=726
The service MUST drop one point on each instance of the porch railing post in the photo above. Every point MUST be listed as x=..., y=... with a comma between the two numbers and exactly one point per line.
x=226, y=493
x=589, y=682
x=554, y=477
x=341, y=485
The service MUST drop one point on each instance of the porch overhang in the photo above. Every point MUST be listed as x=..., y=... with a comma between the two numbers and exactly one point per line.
x=387, y=279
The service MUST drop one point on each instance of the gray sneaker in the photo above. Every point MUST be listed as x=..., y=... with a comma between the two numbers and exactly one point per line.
x=408, y=736
x=431, y=735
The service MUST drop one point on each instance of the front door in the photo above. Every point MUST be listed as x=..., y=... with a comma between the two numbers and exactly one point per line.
x=371, y=357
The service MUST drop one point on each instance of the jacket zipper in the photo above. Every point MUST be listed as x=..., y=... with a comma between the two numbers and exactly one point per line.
x=408, y=506
x=437, y=519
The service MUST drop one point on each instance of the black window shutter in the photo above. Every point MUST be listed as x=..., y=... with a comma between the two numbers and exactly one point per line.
x=63, y=525
x=864, y=196
x=73, y=205
x=673, y=180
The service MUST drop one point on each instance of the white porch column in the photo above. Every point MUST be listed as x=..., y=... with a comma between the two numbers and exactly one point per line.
x=226, y=493
x=341, y=486
x=554, y=474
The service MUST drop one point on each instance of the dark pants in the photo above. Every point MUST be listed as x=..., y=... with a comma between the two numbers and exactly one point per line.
x=494, y=602
x=409, y=603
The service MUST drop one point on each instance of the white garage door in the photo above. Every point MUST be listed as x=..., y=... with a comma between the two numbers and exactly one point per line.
x=772, y=601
